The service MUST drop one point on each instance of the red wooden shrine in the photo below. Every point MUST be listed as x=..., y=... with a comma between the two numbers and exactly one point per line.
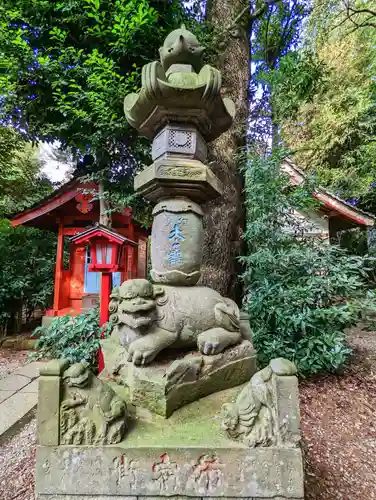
x=71, y=210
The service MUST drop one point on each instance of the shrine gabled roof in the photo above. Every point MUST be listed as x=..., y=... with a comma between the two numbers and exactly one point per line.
x=45, y=213
x=329, y=200
x=99, y=230
x=56, y=199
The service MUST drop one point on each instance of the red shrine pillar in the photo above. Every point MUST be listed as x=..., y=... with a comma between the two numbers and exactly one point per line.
x=106, y=288
x=58, y=267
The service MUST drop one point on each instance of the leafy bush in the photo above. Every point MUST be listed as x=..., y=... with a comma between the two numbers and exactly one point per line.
x=75, y=338
x=27, y=263
x=300, y=293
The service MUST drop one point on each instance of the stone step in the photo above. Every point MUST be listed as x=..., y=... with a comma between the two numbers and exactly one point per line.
x=16, y=407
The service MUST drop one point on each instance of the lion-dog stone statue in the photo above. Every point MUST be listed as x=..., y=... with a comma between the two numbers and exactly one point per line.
x=150, y=318
x=91, y=412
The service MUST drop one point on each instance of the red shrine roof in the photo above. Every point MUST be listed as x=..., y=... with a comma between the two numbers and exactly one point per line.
x=73, y=199
x=98, y=231
x=330, y=203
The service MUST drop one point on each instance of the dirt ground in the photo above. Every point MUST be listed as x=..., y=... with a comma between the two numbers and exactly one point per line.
x=11, y=360
x=338, y=420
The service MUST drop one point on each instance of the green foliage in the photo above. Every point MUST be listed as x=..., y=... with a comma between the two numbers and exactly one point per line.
x=282, y=77
x=21, y=183
x=67, y=66
x=300, y=293
x=27, y=259
x=75, y=338
x=295, y=80
x=277, y=32
x=334, y=133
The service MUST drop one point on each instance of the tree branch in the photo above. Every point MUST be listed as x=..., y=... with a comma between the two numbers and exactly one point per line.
x=353, y=11
x=253, y=16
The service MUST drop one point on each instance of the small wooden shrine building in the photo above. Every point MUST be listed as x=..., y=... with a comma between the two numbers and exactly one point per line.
x=69, y=211
x=333, y=216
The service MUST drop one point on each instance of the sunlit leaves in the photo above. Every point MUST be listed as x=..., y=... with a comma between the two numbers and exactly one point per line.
x=334, y=133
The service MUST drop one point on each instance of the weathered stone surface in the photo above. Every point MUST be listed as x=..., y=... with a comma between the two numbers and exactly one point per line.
x=178, y=177
x=149, y=319
x=146, y=471
x=49, y=401
x=181, y=141
x=5, y=395
x=168, y=385
x=116, y=497
x=14, y=408
x=180, y=88
x=83, y=497
x=245, y=326
x=285, y=388
x=30, y=370
x=177, y=242
x=108, y=497
x=48, y=410
x=178, y=497
x=186, y=455
x=32, y=387
x=13, y=383
x=55, y=367
x=266, y=412
x=90, y=411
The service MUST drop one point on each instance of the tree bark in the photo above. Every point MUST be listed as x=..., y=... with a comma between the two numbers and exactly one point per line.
x=104, y=217
x=225, y=217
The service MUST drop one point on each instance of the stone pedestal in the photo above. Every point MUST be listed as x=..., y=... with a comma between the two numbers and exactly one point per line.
x=178, y=177
x=185, y=456
x=171, y=383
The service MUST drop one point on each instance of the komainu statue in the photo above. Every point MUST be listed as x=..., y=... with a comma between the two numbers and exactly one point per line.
x=254, y=419
x=149, y=318
x=91, y=412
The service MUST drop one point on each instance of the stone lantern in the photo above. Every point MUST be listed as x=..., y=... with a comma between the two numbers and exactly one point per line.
x=180, y=108
x=173, y=341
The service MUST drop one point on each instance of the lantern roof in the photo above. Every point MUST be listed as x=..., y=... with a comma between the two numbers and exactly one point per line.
x=99, y=231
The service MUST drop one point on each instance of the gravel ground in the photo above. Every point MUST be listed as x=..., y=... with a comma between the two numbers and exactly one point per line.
x=17, y=464
x=11, y=360
x=338, y=418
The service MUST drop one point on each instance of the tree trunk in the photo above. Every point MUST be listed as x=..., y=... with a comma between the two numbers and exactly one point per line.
x=104, y=217
x=225, y=217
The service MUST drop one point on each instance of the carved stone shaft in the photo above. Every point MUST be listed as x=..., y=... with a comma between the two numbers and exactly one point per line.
x=177, y=242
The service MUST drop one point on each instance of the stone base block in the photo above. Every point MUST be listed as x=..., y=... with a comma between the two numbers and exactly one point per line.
x=171, y=178
x=186, y=456
x=169, y=384
x=159, y=472
x=109, y=497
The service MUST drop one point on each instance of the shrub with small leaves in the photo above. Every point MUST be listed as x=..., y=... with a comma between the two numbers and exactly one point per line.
x=75, y=338
x=301, y=293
